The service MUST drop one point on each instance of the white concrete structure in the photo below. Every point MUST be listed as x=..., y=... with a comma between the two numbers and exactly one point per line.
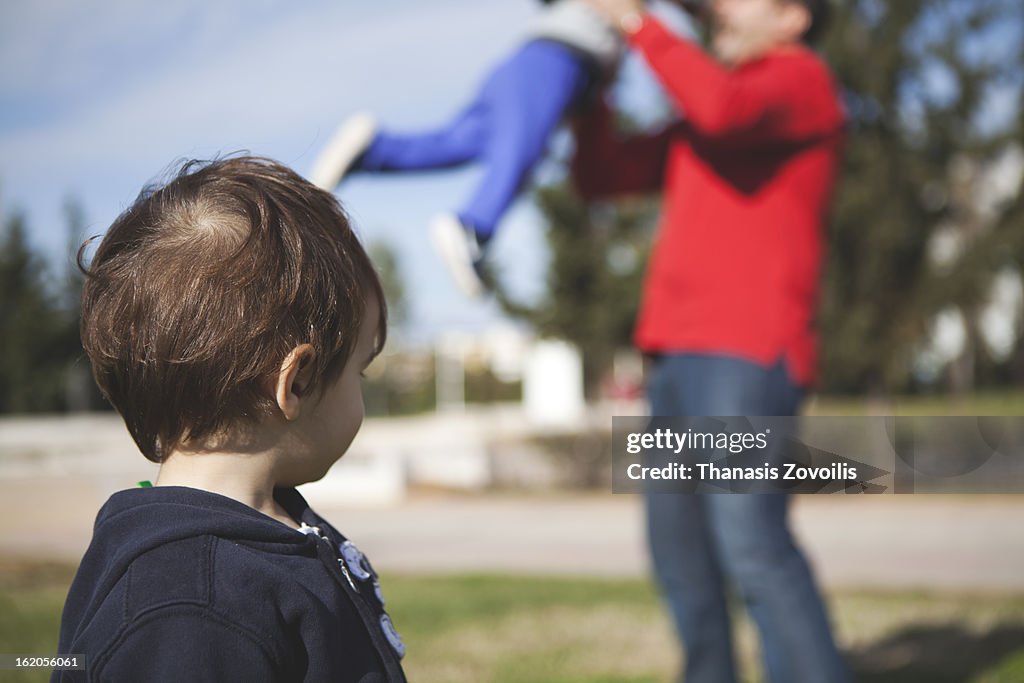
x=553, y=385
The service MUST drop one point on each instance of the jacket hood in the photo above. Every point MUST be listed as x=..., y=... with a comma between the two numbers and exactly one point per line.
x=135, y=521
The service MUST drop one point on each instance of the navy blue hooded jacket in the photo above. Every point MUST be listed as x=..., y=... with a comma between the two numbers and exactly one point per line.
x=180, y=584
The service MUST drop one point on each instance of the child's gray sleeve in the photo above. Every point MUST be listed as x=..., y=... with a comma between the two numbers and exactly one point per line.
x=576, y=24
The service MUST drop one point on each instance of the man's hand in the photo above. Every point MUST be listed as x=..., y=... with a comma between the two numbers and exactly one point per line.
x=623, y=14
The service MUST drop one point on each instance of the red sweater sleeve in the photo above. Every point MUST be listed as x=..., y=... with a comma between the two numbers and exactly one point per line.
x=787, y=95
x=606, y=165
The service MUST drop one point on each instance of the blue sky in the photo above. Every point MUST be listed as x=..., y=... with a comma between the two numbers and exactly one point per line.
x=98, y=97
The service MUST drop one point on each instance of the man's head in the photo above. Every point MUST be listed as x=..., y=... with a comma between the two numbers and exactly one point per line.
x=216, y=298
x=745, y=29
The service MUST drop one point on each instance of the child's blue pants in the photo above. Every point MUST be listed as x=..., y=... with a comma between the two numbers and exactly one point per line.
x=506, y=128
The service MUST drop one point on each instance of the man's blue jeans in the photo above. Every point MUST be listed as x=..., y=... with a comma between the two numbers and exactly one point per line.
x=701, y=543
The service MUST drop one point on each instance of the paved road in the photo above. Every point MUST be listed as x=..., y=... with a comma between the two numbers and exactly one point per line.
x=920, y=542
x=927, y=542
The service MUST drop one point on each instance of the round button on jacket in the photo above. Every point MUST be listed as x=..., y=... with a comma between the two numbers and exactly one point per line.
x=354, y=560
x=391, y=634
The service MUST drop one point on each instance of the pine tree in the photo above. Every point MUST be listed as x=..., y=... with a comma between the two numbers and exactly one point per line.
x=916, y=94
x=80, y=391
x=42, y=367
x=598, y=256
x=385, y=259
x=30, y=372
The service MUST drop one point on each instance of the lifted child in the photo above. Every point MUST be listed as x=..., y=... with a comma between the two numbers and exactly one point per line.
x=506, y=128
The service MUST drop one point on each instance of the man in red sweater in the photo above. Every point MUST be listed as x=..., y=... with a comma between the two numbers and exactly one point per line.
x=729, y=300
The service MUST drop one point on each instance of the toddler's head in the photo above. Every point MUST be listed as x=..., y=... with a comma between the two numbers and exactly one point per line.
x=234, y=295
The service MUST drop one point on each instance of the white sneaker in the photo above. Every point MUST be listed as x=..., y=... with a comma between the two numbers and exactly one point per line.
x=460, y=251
x=350, y=140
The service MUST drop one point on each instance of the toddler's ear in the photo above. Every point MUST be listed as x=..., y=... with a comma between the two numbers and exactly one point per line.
x=293, y=380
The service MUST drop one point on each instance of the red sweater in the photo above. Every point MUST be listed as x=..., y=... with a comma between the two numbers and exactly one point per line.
x=747, y=176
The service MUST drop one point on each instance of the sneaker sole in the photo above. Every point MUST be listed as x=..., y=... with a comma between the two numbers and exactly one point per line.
x=351, y=139
x=450, y=242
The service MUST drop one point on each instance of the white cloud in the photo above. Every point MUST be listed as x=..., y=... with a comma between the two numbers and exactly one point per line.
x=123, y=88
x=285, y=82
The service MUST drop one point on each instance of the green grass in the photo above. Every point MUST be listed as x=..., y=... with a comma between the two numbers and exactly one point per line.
x=31, y=598
x=509, y=629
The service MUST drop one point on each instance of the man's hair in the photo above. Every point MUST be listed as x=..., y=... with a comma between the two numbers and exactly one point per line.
x=820, y=11
x=202, y=287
